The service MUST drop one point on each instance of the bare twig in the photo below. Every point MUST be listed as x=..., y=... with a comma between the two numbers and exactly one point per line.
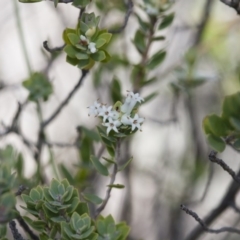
x=26, y=228
x=65, y=101
x=128, y=13
x=112, y=180
x=226, y=201
x=52, y=50
x=204, y=226
x=13, y=127
x=20, y=190
x=15, y=233
x=233, y=4
x=213, y=158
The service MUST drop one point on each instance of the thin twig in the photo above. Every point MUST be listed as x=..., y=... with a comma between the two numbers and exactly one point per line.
x=128, y=13
x=15, y=233
x=112, y=180
x=20, y=190
x=205, y=228
x=213, y=158
x=52, y=50
x=66, y=100
x=26, y=228
x=226, y=201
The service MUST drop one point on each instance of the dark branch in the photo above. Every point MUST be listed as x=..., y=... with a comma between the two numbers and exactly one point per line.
x=204, y=226
x=226, y=201
x=15, y=233
x=112, y=180
x=128, y=13
x=233, y=4
x=52, y=50
x=26, y=228
x=20, y=190
x=66, y=100
x=213, y=158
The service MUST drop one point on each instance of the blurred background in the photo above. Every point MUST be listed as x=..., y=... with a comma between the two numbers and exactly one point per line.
x=170, y=156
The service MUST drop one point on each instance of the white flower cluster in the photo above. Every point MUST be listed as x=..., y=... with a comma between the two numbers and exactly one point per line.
x=91, y=45
x=114, y=119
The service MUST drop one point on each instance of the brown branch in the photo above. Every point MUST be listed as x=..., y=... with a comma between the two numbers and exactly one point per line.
x=204, y=226
x=128, y=13
x=112, y=180
x=26, y=228
x=227, y=199
x=20, y=190
x=52, y=50
x=213, y=158
x=16, y=235
x=66, y=100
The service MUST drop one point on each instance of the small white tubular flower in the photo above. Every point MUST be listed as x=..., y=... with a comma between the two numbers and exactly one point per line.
x=92, y=47
x=94, y=109
x=130, y=102
x=105, y=112
x=112, y=125
x=126, y=120
x=136, y=121
x=114, y=114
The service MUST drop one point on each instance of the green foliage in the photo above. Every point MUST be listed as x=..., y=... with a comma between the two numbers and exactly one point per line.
x=39, y=87
x=224, y=129
x=29, y=1
x=107, y=229
x=86, y=44
x=166, y=21
x=57, y=209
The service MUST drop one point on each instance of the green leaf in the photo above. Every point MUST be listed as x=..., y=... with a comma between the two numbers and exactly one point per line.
x=91, y=134
x=116, y=90
x=98, y=56
x=3, y=231
x=206, y=126
x=116, y=186
x=81, y=56
x=92, y=198
x=80, y=3
x=167, y=20
x=217, y=125
x=144, y=25
x=66, y=173
x=72, y=61
x=106, y=36
x=39, y=87
x=70, y=51
x=125, y=164
x=34, y=194
x=236, y=144
x=74, y=38
x=65, y=33
x=139, y=41
x=216, y=143
x=109, y=160
x=99, y=166
x=100, y=42
x=235, y=122
x=156, y=59
x=82, y=208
